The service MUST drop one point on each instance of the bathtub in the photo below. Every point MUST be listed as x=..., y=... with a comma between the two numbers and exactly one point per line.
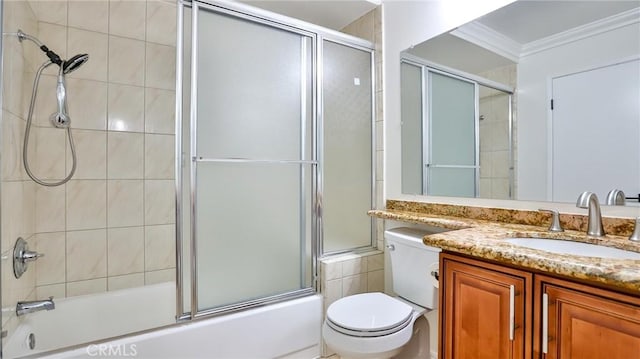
x=287, y=329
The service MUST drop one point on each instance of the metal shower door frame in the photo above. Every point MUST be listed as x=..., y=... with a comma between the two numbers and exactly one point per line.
x=317, y=35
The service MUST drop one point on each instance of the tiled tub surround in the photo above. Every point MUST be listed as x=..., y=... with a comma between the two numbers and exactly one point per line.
x=112, y=225
x=479, y=232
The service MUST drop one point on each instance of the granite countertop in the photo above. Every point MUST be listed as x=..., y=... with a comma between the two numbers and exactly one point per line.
x=484, y=239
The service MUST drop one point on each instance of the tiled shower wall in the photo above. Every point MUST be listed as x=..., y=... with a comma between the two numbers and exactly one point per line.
x=16, y=192
x=494, y=135
x=112, y=225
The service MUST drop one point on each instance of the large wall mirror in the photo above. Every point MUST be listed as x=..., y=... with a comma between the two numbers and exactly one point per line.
x=538, y=101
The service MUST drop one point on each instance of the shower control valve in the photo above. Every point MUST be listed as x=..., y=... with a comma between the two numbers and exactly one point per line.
x=22, y=256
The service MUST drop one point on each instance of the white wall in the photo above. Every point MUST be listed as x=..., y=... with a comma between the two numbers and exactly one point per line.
x=534, y=77
x=408, y=23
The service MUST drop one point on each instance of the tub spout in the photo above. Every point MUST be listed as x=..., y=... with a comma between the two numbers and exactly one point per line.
x=34, y=306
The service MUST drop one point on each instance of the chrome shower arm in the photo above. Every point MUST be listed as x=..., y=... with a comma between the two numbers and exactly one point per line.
x=50, y=54
x=24, y=36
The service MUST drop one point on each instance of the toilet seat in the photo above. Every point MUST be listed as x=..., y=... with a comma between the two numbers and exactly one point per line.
x=369, y=315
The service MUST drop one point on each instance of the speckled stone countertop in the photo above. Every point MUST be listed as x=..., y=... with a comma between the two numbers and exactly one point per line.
x=484, y=239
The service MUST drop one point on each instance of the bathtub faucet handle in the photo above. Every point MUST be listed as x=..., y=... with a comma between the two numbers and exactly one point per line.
x=555, y=225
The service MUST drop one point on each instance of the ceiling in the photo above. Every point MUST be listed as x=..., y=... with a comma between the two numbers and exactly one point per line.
x=520, y=23
x=332, y=14
x=527, y=21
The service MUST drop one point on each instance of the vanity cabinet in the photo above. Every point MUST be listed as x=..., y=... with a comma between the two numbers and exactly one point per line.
x=492, y=311
x=483, y=310
x=578, y=321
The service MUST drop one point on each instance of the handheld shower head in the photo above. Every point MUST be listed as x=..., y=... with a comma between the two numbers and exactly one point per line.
x=61, y=118
x=74, y=63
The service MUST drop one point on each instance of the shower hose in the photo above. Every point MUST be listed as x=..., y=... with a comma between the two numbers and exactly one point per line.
x=25, y=147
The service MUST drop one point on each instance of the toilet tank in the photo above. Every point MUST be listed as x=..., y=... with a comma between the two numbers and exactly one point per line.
x=411, y=265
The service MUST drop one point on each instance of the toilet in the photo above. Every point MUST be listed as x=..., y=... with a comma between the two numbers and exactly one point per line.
x=376, y=325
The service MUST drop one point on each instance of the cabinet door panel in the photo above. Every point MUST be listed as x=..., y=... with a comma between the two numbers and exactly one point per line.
x=477, y=314
x=583, y=326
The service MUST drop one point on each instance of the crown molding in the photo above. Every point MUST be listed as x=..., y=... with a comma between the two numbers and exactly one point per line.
x=492, y=40
x=489, y=39
x=581, y=32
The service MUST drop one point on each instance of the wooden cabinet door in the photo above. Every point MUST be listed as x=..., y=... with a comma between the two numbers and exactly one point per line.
x=483, y=310
x=585, y=325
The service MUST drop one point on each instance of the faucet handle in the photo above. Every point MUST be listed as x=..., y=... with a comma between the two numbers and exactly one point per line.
x=555, y=225
x=635, y=236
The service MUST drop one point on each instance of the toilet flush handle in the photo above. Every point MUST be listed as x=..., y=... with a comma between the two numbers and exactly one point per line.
x=391, y=247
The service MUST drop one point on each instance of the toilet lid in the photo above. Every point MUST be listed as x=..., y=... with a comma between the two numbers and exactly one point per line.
x=376, y=313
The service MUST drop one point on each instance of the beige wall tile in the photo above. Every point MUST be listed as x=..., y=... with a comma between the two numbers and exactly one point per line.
x=86, y=204
x=159, y=202
x=159, y=276
x=14, y=290
x=89, y=15
x=45, y=105
x=91, y=153
x=160, y=247
x=126, y=61
x=85, y=287
x=96, y=45
x=159, y=111
x=159, y=154
x=125, y=281
x=86, y=255
x=50, y=209
x=127, y=18
x=125, y=251
x=354, y=266
x=160, y=66
x=55, y=37
x=332, y=292
x=29, y=208
x=161, y=22
x=126, y=108
x=125, y=156
x=50, y=152
x=375, y=281
x=13, y=84
x=53, y=11
x=57, y=291
x=50, y=269
x=331, y=270
x=354, y=285
x=375, y=262
x=12, y=137
x=125, y=203
x=11, y=213
x=87, y=100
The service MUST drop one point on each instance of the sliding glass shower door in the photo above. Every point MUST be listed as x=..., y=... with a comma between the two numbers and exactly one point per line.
x=252, y=160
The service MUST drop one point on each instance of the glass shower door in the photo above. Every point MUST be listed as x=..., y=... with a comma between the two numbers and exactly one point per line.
x=452, y=169
x=252, y=161
x=346, y=147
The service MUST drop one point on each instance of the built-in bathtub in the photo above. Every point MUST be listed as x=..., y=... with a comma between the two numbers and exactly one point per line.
x=287, y=329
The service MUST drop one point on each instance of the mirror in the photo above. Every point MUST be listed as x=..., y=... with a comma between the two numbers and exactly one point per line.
x=581, y=57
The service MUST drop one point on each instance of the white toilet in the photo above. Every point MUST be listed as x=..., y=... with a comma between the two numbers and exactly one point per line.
x=375, y=325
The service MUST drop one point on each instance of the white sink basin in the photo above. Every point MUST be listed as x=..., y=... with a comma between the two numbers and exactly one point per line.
x=575, y=248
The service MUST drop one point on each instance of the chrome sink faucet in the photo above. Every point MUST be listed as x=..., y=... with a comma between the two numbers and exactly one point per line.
x=34, y=306
x=590, y=200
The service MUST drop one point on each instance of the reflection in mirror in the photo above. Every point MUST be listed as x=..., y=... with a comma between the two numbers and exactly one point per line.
x=456, y=132
x=583, y=55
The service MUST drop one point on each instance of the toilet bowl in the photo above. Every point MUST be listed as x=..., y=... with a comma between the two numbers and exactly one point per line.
x=376, y=325
x=370, y=325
